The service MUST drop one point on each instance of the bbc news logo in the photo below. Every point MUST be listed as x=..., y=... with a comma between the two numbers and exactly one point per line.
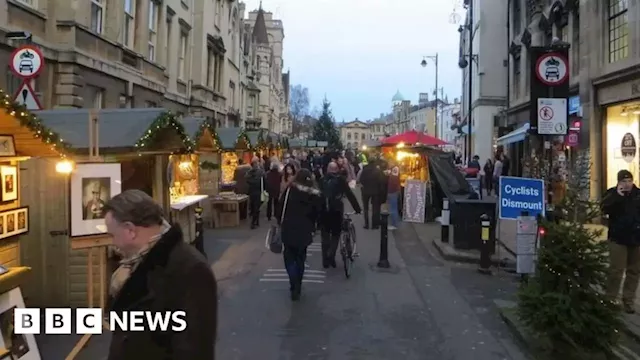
x=90, y=321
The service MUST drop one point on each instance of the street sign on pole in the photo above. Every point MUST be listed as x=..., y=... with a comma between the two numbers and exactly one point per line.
x=521, y=194
x=552, y=69
x=27, y=97
x=552, y=116
x=27, y=61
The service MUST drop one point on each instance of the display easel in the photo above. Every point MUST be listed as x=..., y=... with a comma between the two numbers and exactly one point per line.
x=93, y=243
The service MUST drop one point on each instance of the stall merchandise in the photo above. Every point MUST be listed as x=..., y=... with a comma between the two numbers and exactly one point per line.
x=234, y=145
x=228, y=210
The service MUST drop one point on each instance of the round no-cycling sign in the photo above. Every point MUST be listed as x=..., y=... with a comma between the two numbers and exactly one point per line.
x=27, y=61
x=552, y=69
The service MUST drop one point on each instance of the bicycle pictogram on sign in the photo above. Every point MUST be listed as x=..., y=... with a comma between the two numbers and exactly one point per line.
x=546, y=113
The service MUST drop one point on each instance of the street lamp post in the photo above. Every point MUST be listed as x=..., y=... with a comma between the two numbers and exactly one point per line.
x=424, y=64
x=464, y=63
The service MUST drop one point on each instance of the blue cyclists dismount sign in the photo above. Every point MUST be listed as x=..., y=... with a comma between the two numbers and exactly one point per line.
x=521, y=194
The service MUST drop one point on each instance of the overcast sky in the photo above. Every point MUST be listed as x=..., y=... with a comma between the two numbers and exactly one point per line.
x=360, y=52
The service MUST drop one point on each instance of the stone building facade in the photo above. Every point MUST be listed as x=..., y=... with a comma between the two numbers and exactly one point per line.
x=146, y=53
x=604, y=60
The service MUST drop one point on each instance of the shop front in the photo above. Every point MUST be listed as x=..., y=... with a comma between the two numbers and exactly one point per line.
x=619, y=109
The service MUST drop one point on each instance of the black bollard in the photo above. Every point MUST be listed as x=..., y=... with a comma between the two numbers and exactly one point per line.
x=485, y=249
x=198, y=242
x=444, y=222
x=383, y=262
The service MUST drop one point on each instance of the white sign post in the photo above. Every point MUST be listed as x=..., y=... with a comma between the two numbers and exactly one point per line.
x=526, y=244
x=552, y=116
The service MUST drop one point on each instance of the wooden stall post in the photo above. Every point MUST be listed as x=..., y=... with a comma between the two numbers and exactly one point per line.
x=93, y=243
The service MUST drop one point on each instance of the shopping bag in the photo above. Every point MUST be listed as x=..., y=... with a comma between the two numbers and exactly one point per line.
x=274, y=240
x=264, y=195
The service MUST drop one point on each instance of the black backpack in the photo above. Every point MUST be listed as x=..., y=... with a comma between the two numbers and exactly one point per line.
x=332, y=192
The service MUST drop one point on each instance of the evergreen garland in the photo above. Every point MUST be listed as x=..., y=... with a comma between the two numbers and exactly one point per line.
x=34, y=124
x=164, y=121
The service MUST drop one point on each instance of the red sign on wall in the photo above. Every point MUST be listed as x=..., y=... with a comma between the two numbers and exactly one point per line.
x=573, y=138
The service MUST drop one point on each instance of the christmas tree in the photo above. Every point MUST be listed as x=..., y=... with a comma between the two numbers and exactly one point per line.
x=564, y=305
x=325, y=128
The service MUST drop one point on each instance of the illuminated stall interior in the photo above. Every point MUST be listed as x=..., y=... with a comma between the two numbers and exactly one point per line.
x=411, y=161
x=622, y=139
x=234, y=145
x=257, y=142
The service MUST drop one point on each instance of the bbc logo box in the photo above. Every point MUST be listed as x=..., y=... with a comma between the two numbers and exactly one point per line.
x=82, y=321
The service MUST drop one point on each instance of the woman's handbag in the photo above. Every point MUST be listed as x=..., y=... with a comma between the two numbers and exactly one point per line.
x=274, y=236
x=264, y=195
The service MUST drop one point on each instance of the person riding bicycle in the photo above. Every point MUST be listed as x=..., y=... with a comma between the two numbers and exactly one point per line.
x=334, y=188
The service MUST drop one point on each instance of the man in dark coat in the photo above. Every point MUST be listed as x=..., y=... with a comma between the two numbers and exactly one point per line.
x=622, y=204
x=159, y=272
x=255, y=182
x=371, y=177
x=334, y=188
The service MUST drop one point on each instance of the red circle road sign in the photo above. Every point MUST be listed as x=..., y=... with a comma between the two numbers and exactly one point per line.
x=26, y=62
x=546, y=113
x=552, y=69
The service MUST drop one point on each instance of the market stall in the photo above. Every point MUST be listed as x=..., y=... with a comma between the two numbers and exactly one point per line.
x=275, y=144
x=113, y=150
x=23, y=136
x=257, y=142
x=207, y=157
x=230, y=206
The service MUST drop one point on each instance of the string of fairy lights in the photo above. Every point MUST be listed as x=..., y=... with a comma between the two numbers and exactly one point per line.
x=167, y=120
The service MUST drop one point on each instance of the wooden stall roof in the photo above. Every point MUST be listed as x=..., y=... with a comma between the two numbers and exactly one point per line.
x=202, y=132
x=31, y=136
x=121, y=130
x=232, y=138
x=297, y=143
x=256, y=137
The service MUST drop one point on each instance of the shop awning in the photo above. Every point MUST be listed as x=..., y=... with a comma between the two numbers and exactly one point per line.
x=515, y=136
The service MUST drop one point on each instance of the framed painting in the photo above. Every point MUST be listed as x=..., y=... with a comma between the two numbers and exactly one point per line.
x=14, y=222
x=9, y=181
x=7, y=146
x=19, y=346
x=92, y=185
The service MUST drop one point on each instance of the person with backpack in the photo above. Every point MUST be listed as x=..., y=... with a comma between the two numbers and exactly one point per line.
x=334, y=188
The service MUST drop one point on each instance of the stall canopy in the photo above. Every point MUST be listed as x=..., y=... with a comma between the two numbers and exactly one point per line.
x=31, y=136
x=120, y=130
x=233, y=138
x=256, y=137
x=372, y=143
x=414, y=137
x=202, y=132
x=516, y=135
x=450, y=180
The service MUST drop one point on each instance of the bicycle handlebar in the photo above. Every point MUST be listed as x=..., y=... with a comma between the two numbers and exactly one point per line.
x=350, y=213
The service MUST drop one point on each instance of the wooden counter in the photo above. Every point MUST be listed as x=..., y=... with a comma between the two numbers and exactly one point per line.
x=183, y=213
x=226, y=210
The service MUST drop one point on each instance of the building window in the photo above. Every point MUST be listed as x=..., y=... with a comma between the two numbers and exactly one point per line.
x=217, y=80
x=234, y=32
x=168, y=44
x=97, y=15
x=153, y=30
x=252, y=101
x=232, y=90
x=618, y=30
x=348, y=136
x=129, y=23
x=182, y=57
x=363, y=137
x=30, y=3
x=211, y=63
x=517, y=16
x=95, y=98
x=575, y=44
x=516, y=76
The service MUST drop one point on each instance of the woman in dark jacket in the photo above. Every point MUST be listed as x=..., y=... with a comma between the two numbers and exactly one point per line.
x=273, y=188
x=297, y=215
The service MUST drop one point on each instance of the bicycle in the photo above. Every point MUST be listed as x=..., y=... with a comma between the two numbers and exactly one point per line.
x=348, y=243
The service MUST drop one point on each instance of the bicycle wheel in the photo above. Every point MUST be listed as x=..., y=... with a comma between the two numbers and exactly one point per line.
x=345, y=252
x=353, y=242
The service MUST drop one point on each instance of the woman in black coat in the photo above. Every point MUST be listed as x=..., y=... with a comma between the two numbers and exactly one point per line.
x=297, y=215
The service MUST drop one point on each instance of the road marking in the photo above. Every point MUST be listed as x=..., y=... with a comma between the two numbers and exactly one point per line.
x=285, y=274
x=306, y=271
x=287, y=280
